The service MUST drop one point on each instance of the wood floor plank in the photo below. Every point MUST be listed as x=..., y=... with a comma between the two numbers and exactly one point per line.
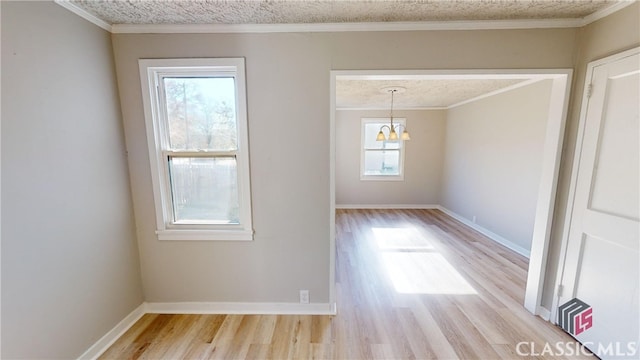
x=201, y=344
x=302, y=337
x=432, y=332
x=410, y=284
x=320, y=330
x=382, y=352
x=242, y=337
x=463, y=336
x=418, y=342
x=283, y=337
x=124, y=345
x=264, y=329
x=259, y=352
x=185, y=328
x=321, y=351
x=225, y=337
x=135, y=347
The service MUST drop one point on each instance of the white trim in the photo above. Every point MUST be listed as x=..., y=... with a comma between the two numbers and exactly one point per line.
x=151, y=73
x=551, y=157
x=493, y=236
x=332, y=188
x=547, y=189
x=576, y=167
x=343, y=27
x=387, y=206
x=84, y=14
x=496, y=92
x=544, y=313
x=401, y=151
x=205, y=235
x=100, y=346
x=621, y=4
x=241, y=308
x=526, y=81
x=449, y=74
x=609, y=59
x=488, y=233
x=114, y=334
x=401, y=108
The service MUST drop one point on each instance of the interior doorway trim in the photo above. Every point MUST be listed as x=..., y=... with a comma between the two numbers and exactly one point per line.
x=591, y=66
x=557, y=115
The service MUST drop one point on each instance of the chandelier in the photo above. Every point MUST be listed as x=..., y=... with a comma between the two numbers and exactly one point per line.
x=393, y=134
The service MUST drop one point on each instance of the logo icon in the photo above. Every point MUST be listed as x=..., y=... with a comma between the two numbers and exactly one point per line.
x=575, y=316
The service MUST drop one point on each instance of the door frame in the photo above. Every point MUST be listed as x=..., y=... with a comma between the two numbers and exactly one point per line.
x=554, y=137
x=574, y=173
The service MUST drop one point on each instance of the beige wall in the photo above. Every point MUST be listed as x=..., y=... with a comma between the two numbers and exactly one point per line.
x=493, y=160
x=70, y=269
x=615, y=33
x=288, y=111
x=422, y=166
x=63, y=257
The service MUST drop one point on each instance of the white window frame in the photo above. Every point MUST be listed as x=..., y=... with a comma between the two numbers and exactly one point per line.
x=151, y=73
x=387, y=121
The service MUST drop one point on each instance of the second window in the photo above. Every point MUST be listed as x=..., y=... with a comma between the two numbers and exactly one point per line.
x=380, y=160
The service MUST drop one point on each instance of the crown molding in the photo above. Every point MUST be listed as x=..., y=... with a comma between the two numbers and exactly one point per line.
x=496, y=92
x=84, y=14
x=621, y=4
x=449, y=107
x=344, y=27
x=528, y=78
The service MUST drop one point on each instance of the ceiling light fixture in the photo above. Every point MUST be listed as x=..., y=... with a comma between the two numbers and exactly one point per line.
x=393, y=135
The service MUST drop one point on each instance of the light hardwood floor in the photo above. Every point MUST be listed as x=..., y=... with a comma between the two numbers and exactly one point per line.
x=411, y=284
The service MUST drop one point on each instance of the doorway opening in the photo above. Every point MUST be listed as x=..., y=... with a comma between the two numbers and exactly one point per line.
x=477, y=85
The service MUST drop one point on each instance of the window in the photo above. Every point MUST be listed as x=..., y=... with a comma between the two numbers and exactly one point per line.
x=195, y=115
x=380, y=160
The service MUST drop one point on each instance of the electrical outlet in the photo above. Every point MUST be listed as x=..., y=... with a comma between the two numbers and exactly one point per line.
x=474, y=219
x=304, y=296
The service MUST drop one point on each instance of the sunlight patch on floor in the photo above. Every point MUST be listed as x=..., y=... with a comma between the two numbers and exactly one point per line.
x=406, y=238
x=424, y=273
x=414, y=265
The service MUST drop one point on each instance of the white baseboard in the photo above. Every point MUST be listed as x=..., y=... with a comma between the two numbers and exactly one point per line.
x=114, y=334
x=387, y=206
x=241, y=308
x=544, y=313
x=273, y=308
x=203, y=308
x=488, y=233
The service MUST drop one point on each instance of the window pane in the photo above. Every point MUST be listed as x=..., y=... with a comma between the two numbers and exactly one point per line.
x=371, y=131
x=204, y=189
x=382, y=162
x=201, y=113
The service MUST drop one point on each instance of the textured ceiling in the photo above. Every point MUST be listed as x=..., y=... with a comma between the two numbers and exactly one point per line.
x=323, y=11
x=365, y=94
x=420, y=93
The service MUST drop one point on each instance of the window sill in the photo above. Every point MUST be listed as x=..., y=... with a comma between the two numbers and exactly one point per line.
x=381, y=177
x=206, y=235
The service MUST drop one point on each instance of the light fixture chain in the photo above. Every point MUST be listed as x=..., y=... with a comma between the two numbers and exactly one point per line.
x=391, y=114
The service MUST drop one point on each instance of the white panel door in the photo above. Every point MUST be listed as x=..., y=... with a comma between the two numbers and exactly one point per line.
x=601, y=262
